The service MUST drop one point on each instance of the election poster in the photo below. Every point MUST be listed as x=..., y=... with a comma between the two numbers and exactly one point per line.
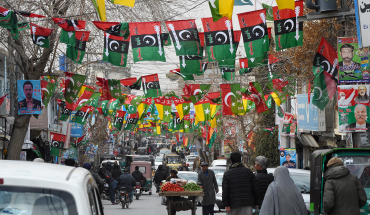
x=29, y=97
x=289, y=125
x=353, y=61
x=353, y=108
x=288, y=158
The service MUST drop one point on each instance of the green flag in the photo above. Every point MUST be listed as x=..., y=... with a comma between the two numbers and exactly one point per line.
x=73, y=83
x=82, y=114
x=269, y=12
x=77, y=52
x=114, y=86
x=151, y=86
x=115, y=50
x=8, y=19
x=192, y=65
x=321, y=95
x=131, y=121
x=68, y=37
x=35, y=149
x=228, y=74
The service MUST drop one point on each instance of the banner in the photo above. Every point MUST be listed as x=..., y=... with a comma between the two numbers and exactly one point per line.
x=29, y=97
x=353, y=61
x=353, y=108
x=288, y=158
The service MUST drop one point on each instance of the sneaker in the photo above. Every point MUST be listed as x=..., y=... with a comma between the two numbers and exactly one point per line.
x=113, y=203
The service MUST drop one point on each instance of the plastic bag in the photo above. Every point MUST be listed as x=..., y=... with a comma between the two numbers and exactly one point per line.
x=163, y=200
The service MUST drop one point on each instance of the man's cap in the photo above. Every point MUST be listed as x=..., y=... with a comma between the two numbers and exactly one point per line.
x=87, y=166
x=335, y=162
x=204, y=164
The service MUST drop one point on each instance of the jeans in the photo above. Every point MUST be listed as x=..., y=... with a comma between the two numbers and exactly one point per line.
x=112, y=194
x=207, y=209
x=132, y=195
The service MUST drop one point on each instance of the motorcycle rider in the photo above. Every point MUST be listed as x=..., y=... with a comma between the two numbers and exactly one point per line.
x=139, y=177
x=128, y=181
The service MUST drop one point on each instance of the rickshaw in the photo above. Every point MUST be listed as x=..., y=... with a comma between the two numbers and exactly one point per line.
x=141, y=151
x=171, y=161
x=106, y=157
x=355, y=159
x=146, y=169
x=126, y=161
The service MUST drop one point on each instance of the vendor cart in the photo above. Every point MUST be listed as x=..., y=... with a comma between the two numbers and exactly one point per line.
x=181, y=201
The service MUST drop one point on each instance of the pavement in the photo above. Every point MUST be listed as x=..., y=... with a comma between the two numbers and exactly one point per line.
x=146, y=205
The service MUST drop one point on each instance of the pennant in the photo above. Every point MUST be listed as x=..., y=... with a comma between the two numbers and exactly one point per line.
x=216, y=121
x=177, y=122
x=255, y=34
x=324, y=90
x=164, y=108
x=85, y=97
x=269, y=12
x=73, y=83
x=77, y=52
x=221, y=8
x=115, y=50
x=28, y=14
x=146, y=41
x=100, y=8
x=143, y=108
x=151, y=86
x=194, y=89
x=47, y=90
x=128, y=81
x=228, y=74
x=40, y=35
x=254, y=62
x=94, y=100
x=131, y=121
x=211, y=137
x=8, y=19
x=36, y=150
x=66, y=109
x=57, y=140
x=118, y=29
x=118, y=119
x=326, y=59
x=248, y=103
x=187, y=123
x=184, y=34
x=285, y=4
x=288, y=31
x=220, y=42
x=166, y=40
x=182, y=107
x=129, y=3
x=70, y=25
x=203, y=110
x=82, y=114
x=242, y=2
x=232, y=103
x=68, y=37
x=243, y=66
x=114, y=87
x=259, y=100
x=184, y=76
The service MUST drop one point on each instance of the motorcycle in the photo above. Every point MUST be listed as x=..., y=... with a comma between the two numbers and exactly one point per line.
x=137, y=192
x=105, y=194
x=124, y=198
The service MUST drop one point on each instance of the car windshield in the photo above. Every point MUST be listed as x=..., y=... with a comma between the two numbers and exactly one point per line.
x=173, y=160
x=159, y=159
x=32, y=201
x=142, y=159
x=218, y=170
x=302, y=181
x=219, y=179
x=165, y=151
x=359, y=166
x=188, y=176
x=191, y=160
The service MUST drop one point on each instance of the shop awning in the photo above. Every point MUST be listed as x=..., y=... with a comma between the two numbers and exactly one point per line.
x=308, y=140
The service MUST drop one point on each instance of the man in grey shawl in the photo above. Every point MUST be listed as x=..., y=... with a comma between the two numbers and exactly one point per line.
x=208, y=180
x=282, y=196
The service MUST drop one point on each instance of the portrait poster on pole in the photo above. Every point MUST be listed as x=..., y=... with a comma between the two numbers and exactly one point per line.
x=29, y=97
x=353, y=108
x=353, y=61
x=288, y=158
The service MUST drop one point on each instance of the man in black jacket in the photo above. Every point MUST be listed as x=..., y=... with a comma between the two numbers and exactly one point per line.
x=99, y=181
x=112, y=185
x=239, y=190
x=128, y=181
x=159, y=176
x=139, y=177
x=263, y=179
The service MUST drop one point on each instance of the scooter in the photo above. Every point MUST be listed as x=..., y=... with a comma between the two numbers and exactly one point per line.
x=137, y=192
x=124, y=198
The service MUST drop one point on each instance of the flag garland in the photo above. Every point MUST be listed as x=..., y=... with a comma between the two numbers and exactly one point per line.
x=40, y=35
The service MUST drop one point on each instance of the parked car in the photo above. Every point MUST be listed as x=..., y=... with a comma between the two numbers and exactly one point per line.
x=188, y=175
x=31, y=187
x=219, y=163
x=218, y=169
x=190, y=161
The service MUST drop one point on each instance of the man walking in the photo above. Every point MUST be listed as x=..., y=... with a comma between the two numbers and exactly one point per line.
x=263, y=179
x=208, y=180
x=112, y=185
x=159, y=176
x=343, y=192
x=239, y=190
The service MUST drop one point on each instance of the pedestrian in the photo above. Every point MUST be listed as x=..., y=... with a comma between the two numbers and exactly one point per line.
x=128, y=182
x=139, y=177
x=196, y=165
x=173, y=175
x=112, y=185
x=263, y=179
x=239, y=190
x=184, y=167
x=100, y=171
x=99, y=181
x=70, y=162
x=343, y=191
x=209, y=184
x=282, y=196
x=116, y=172
x=109, y=166
x=159, y=176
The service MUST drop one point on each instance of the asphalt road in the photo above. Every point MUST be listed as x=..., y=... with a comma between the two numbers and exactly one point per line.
x=146, y=205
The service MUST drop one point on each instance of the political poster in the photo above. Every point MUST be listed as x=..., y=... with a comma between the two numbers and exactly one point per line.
x=289, y=125
x=353, y=108
x=353, y=61
x=29, y=97
x=288, y=158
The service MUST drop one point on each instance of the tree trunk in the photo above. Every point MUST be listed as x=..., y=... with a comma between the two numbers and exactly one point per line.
x=20, y=129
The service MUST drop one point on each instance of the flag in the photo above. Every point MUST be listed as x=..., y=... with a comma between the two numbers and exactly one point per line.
x=129, y=3
x=93, y=101
x=276, y=98
x=73, y=83
x=143, y=108
x=269, y=12
x=84, y=98
x=8, y=19
x=104, y=108
x=285, y=4
x=128, y=81
x=184, y=34
x=254, y=62
x=70, y=25
x=185, y=141
x=203, y=110
x=228, y=74
x=326, y=59
x=131, y=121
x=288, y=31
x=36, y=150
x=177, y=122
x=242, y=2
x=114, y=104
x=259, y=100
x=119, y=29
x=57, y=140
x=164, y=108
x=21, y=26
x=77, y=52
x=201, y=39
x=182, y=107
x=114, y=86
x=269, y=131
x=255, y=34
x=100, y=9
x=184, y=76
x=118, y=119
x=47, y=90
x=82, y=114
x=221, y=8
x=68, y=37
x=243, y=66
x=166, y=40
x=237, y=35
x=187, y=123
x=220, y=41
x=192, y=64
x=28, y=14
x=65, y=109
x=268, y=100
x=80, y=142
x=136, y=85
x=248, y=103
x=194, y=89
x=156, y=130
x=216, y=121
x=40, y=35
x=232, y=103
x=211, y=137
x=115, y=50
x=215, y=97
x=146, y=41
x=324, y=90
x=151, y=86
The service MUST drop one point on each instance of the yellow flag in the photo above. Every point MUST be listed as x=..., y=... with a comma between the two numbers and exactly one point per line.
x=129, y=3
x=285, y=4
x=100, y=8
x=226, y=8
x=276, y=99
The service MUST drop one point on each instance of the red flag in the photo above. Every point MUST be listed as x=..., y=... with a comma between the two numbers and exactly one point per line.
x=28, y=14
x=269, y=31
x=177, y=137
x=128, y=81
x=326, y=59
x=331, y=85
x=105, y=94
x=86, y=95
x=70, y=25
x=201, y=38
x=259, y=101
x=57, y=140
x=104, y=26
x=43, y=89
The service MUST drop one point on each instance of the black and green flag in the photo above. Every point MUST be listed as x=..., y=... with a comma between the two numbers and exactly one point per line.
x=115, y=50
x=77, y=52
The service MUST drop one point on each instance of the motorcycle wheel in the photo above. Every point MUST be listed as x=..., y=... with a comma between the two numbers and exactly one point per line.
x=127, y=204
x=123, y=205
x=137, y=197
x=150, y=193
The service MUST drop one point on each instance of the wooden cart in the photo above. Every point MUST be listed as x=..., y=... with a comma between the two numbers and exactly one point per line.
x=181, y=201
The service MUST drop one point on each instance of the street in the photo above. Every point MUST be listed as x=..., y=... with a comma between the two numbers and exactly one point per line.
x=145, y=205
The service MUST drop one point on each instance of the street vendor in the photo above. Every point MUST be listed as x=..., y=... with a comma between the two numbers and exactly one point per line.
x=173, y=175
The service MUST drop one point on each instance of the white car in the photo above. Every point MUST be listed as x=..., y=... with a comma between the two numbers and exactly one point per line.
x=188, y=175
x=219, y=163
x=43, y=188
x=190, y=161
x=111, y=161
x=158, y=161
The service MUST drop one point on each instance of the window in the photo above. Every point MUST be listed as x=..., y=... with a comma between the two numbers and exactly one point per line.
x=142, y=169
x=360, y=167
x=90, y=194
x=98, y=202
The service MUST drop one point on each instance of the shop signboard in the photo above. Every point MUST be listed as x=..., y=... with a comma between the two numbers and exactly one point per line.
x=310, y=118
